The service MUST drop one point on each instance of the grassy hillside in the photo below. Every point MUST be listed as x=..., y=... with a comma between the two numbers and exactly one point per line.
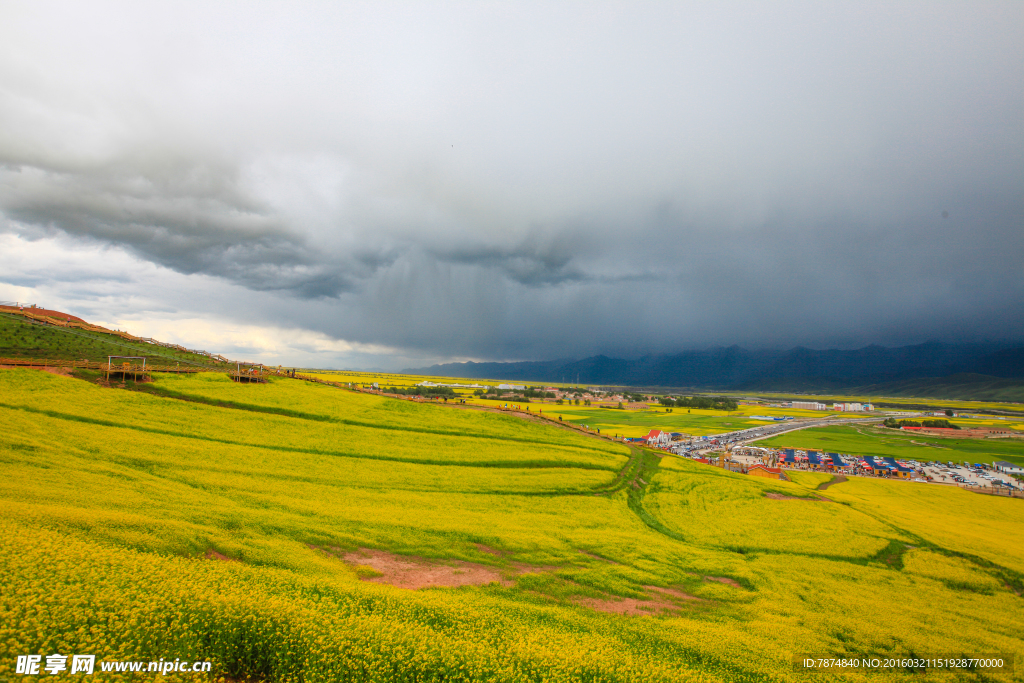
x=22, y=338
x=969, y=387
x=608, y=564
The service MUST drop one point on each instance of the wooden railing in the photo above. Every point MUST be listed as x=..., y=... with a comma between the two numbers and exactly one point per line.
x=97, y=365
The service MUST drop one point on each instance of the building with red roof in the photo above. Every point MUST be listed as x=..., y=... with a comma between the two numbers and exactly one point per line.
x=656, y=437
x=766, y=472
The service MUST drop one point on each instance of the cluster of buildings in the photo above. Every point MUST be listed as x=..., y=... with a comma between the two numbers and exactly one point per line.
x=834, y=462
x=767, y=462
x=837, y=406
x=657, y=438
x=970, y=433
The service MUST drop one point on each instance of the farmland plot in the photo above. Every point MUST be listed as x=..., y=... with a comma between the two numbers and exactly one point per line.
x=606, y=564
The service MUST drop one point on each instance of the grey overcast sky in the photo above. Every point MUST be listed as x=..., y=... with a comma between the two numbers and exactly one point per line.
x=392, y=184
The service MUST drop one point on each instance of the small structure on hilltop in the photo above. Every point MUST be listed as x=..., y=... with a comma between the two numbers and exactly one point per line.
x=125, y=368
x=254, y=374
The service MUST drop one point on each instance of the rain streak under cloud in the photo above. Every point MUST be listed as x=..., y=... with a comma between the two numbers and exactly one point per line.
x=398, y=183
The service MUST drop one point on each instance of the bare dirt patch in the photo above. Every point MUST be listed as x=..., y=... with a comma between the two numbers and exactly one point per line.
x=50, y=313
x=719, y=579
x=212, y=554
x=415, y=572
x=723, y=579
x=491, y=551
x=668, y=601
x=779, y=496
x=672, y=593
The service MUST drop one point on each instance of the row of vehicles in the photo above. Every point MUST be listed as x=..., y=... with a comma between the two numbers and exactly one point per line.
x=968, y=475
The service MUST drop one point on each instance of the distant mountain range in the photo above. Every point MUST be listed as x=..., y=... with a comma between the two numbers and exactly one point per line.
x=798, y=369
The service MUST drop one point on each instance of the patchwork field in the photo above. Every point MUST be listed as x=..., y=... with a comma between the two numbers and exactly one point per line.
x=865, y=440
x=297, y=532
x=611, y=421
x=693, y=421
x=899, y=402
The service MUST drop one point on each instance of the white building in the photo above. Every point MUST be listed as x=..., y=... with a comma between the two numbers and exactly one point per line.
x=809, y=405
x=656, y=437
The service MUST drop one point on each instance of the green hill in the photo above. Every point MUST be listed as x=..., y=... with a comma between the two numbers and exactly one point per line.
x=24, y=338
x=965, y=386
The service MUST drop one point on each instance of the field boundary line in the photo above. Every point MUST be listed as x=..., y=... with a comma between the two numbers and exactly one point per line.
x=528, y=464
x=284, y=412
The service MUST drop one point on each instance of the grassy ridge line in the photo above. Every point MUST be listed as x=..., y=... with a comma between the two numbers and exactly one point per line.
x=522, y=464
x=285, y=412
x=893, y=554
x=82, y=351
x=647, y=468
x=964, y=386
x=897, y=514
x=636, y=498
x=67, y=396
x=567, y=424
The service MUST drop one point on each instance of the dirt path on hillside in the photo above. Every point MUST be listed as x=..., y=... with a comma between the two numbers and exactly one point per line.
x=836, y=479
x=780, y=496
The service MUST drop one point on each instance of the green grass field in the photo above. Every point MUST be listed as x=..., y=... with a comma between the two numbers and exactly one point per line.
x=696, y=422
x=879, y=441
x=111, y=498
x=923, y=400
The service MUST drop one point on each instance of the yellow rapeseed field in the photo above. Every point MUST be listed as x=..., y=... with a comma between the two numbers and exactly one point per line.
x=111, y=500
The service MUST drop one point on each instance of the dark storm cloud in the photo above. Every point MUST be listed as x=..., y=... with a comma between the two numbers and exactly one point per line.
x=529, y=263
x=543, y=180
x=188, y=217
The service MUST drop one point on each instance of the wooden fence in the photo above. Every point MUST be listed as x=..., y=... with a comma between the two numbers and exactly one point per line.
x=95, y=365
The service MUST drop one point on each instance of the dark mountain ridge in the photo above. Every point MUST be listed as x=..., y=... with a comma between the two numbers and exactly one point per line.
x=737, y=368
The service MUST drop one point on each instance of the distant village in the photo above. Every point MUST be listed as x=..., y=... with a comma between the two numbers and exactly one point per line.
x=732, y=451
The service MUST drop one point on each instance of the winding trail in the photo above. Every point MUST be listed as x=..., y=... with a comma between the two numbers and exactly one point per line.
x=836, y=479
